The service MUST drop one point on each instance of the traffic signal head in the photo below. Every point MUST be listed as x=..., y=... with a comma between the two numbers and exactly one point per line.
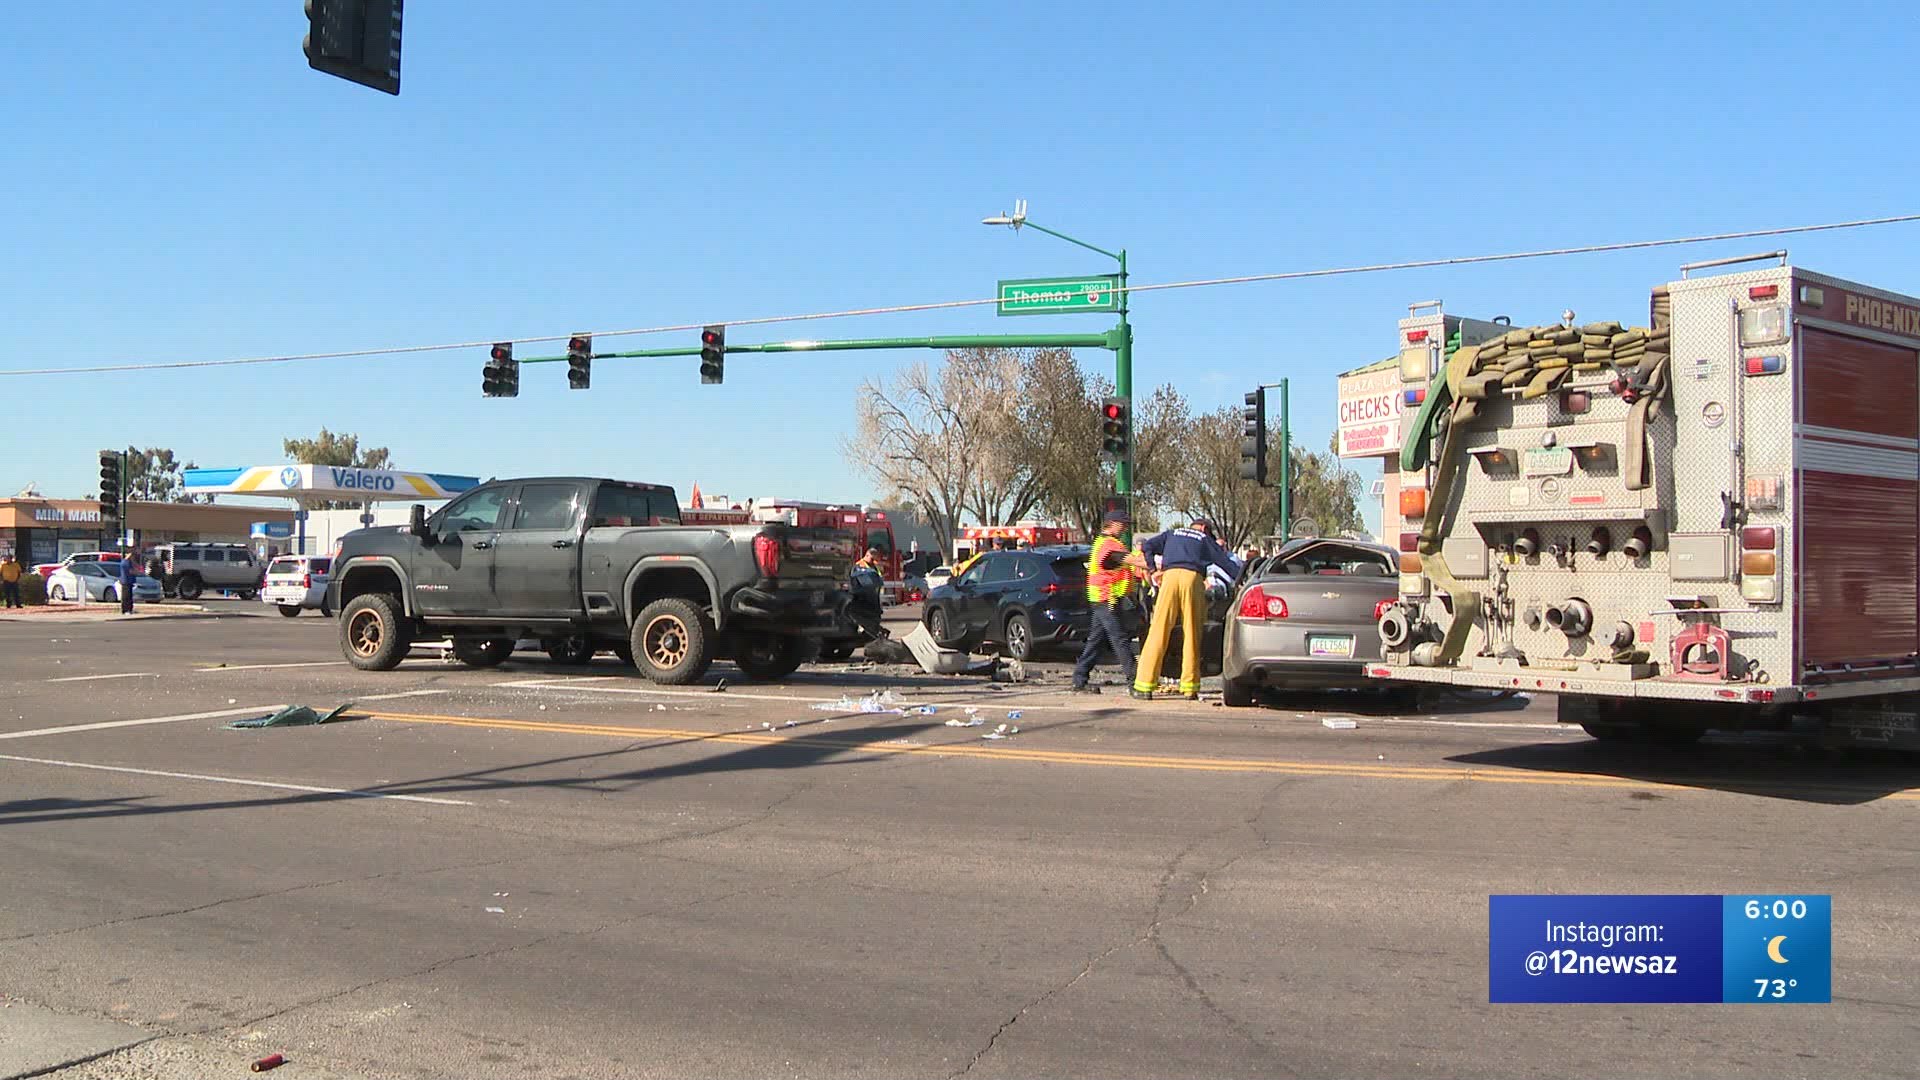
x=109, y=484
x=713, y=355
x=1116, y=429
x=1253, y=437
x=358, y=40
x=579, y=362
x=501, y=376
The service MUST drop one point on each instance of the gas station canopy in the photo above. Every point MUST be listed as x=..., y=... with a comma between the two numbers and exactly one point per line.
x=325, y=483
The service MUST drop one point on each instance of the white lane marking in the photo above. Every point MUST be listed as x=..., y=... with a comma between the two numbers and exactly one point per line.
x=104, y=724
x=1557, y=729
x=265, y=667
x=355, y=792
x=121, y=675
x=401, y=694
x=576, y=683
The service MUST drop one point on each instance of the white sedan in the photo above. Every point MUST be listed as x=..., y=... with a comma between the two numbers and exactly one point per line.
x=100, y=580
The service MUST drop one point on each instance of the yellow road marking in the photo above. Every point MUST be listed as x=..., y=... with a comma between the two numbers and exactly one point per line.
x=1000, y=752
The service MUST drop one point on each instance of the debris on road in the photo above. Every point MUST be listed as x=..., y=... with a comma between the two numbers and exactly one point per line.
x=271, y=1061
x=971, y=721
x=878, y=702
x=292, y=716
x=496, y=911
x=720, y=687
x=1340, y=723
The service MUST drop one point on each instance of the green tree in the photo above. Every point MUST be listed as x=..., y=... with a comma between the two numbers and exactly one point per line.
x=155, y=475
x=341, y=451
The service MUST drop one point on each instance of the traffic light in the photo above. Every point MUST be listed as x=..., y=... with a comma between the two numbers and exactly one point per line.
x=1253, y=437
x=358, y=40
x=713, y=355
x=579, y=362
x=1115, y=429
x=501, y=376
x=109, y=485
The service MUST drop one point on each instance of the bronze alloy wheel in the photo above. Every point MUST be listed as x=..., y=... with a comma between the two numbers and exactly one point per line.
x=665, y=641
x=365, y=633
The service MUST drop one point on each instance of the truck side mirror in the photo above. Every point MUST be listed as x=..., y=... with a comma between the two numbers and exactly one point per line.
x=417, y=520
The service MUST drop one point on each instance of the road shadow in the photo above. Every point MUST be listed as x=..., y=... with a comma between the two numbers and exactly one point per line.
x=1396, y=701
x=44, y=806
x=1767, y=767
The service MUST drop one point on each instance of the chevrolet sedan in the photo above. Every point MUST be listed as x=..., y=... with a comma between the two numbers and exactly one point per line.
x=1307, y=618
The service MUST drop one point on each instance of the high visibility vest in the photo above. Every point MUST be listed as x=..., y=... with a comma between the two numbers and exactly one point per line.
x=1106, y=586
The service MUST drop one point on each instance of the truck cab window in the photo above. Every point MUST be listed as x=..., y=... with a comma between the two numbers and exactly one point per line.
x=477, y=512
x=545, y=506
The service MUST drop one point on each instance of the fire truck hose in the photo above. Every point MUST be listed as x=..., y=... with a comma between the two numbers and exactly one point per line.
x=1635, y=459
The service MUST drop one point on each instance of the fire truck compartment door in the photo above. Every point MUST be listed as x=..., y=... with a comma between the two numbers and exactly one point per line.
x=1466, y=555
x=1700, y=556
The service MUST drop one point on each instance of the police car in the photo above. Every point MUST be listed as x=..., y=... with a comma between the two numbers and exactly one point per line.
x=296, y=583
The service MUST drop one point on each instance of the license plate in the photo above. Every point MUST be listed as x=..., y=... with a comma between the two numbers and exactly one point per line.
x=1340, y=645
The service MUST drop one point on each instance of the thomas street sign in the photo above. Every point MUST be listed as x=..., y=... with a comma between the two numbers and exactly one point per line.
x=1052, y=296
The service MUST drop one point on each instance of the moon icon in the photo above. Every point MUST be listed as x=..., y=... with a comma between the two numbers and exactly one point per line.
x=1773, y=949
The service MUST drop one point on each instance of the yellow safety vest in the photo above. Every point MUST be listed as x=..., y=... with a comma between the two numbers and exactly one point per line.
x=1106, y=586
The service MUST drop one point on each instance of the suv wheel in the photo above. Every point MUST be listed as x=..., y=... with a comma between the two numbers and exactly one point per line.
x=1019, y=637
x=189, y=587
x=291, y=611
x=482, y=652
x=374, y=632
x=672, y=641
x=770, y=656
x=939, y=628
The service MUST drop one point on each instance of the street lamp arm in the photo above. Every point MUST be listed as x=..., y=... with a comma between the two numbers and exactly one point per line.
x=1071, y=240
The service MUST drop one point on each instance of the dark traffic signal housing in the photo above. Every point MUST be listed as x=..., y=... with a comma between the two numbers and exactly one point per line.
x=1253, y=437
x=1116, y=428
x=110, y=481
x=579, y=362
x=501, y=376
x=713, y=355
x=357, y=40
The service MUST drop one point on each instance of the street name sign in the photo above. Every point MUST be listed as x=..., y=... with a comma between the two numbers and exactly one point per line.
x=1054, y=296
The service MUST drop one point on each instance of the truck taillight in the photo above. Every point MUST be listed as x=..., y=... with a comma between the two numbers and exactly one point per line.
x=766, y=553
x=1257, y=606
x=1760, y=564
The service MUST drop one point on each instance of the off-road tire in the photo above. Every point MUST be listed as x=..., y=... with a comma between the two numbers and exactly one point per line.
x=374, y=632
x=188, y=587
x=672, y=641
x=482, y=652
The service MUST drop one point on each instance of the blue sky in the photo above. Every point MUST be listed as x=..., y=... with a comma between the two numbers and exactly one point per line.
x=186, y=188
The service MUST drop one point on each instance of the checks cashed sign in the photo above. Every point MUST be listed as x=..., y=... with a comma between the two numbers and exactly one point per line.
x=1370, y=403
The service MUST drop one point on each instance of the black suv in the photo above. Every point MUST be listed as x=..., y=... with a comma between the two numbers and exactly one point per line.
x=1026, y=600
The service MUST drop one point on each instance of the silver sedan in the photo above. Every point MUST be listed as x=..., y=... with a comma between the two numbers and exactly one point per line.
x=1307, y=618
x=100, y=580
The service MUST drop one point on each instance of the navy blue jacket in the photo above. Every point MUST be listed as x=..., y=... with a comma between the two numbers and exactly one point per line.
x=1188, y=549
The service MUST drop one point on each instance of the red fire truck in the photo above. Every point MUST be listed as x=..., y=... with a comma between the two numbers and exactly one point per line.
x=870, y=527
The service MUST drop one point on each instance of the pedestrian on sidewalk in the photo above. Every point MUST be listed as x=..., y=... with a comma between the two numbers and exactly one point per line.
x=1108, y=578
x=126, y=583
x=10, y=580
x=1184, y=556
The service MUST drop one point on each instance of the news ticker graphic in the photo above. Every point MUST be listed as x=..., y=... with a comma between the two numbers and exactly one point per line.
x=1662, y=949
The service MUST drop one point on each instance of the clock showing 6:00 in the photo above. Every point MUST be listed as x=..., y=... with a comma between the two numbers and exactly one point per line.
x=1777, y=948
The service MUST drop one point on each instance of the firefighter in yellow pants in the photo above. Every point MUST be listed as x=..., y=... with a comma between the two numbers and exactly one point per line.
x=1184, y=556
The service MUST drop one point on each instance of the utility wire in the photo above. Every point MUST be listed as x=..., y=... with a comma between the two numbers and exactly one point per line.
x=943, y=305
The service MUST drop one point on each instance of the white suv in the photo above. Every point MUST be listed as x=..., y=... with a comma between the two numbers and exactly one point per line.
x=296, y=582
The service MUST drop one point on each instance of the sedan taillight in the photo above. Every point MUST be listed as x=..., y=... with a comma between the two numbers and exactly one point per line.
x=1257, y=606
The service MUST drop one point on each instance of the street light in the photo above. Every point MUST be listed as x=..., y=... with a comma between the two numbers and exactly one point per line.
x=1122, y=356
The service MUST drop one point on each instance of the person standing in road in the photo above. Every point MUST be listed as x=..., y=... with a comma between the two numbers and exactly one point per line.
x=1107, y=579
x=126, y=583
x=10, y=580
x=1184, y=556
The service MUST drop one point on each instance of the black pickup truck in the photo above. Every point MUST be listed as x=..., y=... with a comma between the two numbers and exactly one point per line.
x=585, y=564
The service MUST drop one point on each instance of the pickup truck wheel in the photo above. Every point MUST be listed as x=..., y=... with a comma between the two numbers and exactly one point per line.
x=189, y=587
x=374, y=632
x=1019, y=637
x=672, y=642
x=291, y=611
x=573, y=650
x=770, y=656
x=482, y=652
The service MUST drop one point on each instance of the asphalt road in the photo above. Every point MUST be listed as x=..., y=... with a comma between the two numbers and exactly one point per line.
x=540, y=871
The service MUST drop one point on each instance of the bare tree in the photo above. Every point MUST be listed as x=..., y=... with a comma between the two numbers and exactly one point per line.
x=1210, y=486
x=913, y=438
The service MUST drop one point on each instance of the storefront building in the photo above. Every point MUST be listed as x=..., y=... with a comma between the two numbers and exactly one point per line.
x=48, y=530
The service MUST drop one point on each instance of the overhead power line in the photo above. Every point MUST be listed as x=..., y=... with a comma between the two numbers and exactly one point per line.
x=767, y=320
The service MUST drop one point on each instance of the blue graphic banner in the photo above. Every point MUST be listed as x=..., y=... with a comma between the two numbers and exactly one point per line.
x=1673, y=949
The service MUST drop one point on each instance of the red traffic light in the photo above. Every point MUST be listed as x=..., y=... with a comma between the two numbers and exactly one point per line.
x=711, y=337
x=1113, y=410
x=579, y=344
x=503, y=351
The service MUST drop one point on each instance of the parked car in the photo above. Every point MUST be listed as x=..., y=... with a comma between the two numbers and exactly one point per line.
x=1025, y=600
x=97, y=581
x=1307, y=617
x=46, y=569
x=938, y=576
x=189, y=569
x=295, y=583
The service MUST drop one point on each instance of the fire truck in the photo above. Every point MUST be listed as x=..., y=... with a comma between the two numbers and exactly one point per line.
x=981, y=537
x=1707, y=522
x=870, y=527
